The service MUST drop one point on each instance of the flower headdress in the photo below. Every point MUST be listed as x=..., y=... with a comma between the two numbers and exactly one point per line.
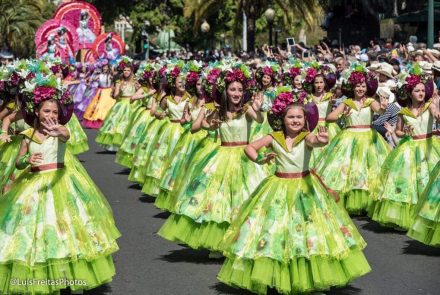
x=270, y=69
x=237, y=73
x=291, y=70
x=285, y=96
x=42, y=88
x=145, y=72
x=173, y=71
x=314, y=69
x=358, y=73
x=408, y=80
x=211, y=79
x=193, y=71
x=124, y=62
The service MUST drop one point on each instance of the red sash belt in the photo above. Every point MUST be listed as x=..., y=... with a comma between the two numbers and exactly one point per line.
x=422, y=136
x=175, y=121
x=321, y=120
x=292, y=175
x=47, y=167
x=234, y=143
x=359, y=126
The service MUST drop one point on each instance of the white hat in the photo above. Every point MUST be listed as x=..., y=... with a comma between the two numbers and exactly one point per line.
x=426, y=67
x=434, y=52
x=436, y=66
x=386, y=92
x=386, y=69
x=374, y=66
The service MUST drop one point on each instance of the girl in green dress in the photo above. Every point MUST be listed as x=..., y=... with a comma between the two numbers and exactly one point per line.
x=291, y=235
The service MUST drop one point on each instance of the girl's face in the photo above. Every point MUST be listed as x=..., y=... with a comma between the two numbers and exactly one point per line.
x=418, y=93
x=180, y=84
x=105, y=69
x=294, y=120
x=319, y=84
x=48, y=110
x=199, y=87
x=127, y=72
x=360, y=89
x=266, y=81
x=297, y=82
x=235, y=93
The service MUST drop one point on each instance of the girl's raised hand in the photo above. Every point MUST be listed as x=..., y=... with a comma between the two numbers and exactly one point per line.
x=322, y=135
x=52, y=128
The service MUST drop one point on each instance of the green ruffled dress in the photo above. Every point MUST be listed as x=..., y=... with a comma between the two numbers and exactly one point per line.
x=55, y=225
x=290, y=234
x=351, y=163
x=405, y=172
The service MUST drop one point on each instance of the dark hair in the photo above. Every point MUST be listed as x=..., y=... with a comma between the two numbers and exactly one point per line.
x=314, y=79
x=224, y=101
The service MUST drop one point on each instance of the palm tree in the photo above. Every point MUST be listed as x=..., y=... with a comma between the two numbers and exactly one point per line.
x=253, y=9
x=19, y=19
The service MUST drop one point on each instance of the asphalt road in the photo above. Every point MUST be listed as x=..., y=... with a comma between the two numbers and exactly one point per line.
x=148, y=264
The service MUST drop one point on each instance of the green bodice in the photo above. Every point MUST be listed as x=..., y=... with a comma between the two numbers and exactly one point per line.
x=421, y=124
x=235, y=130
x=295, y=160
x=357, y=117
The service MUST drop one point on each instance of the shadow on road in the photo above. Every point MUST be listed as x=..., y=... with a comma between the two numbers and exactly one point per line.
x=162, y=215
x=147, y=199
x=105, y=153
x=135, y=186
x=126, y=171
x=377, y=228
x=190, y=255
x=417, y=248
x=348, y=290
x=101, y=290
x=225, y=289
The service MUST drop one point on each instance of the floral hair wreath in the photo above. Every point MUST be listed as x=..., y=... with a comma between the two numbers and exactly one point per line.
x=238, y=73
x=172, y=72
x=357, y=74
x=211, y=79
x=145, y=72
x=193, y=71
x=291, y=71
x=125, y=62
x=269, y=69
x=286, y=96
x=407, y=81
x=314, y=69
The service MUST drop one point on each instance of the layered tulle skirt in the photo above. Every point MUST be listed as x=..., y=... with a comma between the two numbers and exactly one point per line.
x=292, y=236
x=56, y=225
x=141, y=153
x=333, y=130
x=133, y=136
x=8, y=155
x=176, y=167
x=403, y=178
x=426, y=224
x=111, y=133
x=161, y=150
x=98, y=108
x=215, y=192
x=77, y=142
x=351, y=164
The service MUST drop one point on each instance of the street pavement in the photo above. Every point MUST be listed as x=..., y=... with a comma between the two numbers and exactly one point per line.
x=148, y=264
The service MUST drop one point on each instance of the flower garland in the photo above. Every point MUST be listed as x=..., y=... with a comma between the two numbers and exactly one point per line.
x=124, y=62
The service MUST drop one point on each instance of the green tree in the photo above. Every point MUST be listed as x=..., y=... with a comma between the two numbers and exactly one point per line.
x=254, y=9
x=19, y=20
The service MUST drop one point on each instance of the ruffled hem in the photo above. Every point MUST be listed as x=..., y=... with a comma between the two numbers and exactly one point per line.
x=55, y=276
x=124, y=159
x=136, y=175
x=206, y=235
x=110, y=142
x=425, y=231
x=299, y=275
x=392, y=214
x=356, y=202
x=92, y=124
x=78, y=148
x=151, y=186
x=164, y=201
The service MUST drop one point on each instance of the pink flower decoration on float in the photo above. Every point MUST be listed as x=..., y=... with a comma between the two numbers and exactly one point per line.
x=310, y=75
x=412, y=81
x=42, y=93
x=356, y=78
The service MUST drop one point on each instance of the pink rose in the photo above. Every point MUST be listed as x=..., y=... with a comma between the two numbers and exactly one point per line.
x=294, y=72
x=192, y=78
x=14, y=79
x=30, y=76
x=356, y=78
x=162, y=71
x=268, y=71
x=42, y=93
x=175, y=72
x=310, y=75
x=411, y=82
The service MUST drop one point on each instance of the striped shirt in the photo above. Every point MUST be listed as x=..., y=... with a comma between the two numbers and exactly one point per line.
x=390, y=115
